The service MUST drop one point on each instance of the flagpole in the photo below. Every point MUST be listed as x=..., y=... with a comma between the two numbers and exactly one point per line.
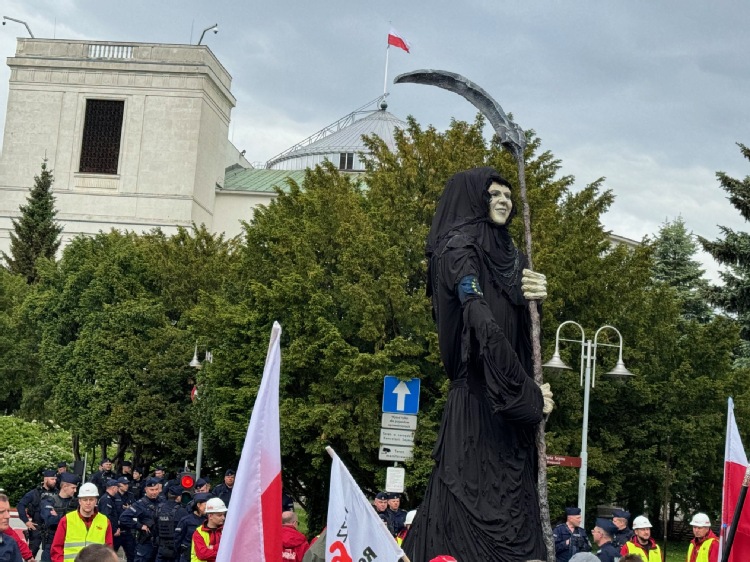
x=385, y=81
x=736, y=518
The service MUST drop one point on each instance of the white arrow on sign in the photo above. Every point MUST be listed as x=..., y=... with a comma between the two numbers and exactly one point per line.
x=401, y=391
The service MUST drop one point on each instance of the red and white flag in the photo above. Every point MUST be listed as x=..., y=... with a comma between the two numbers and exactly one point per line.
x=397, y=40
x=252, y=530
x=735, y=466
x=355, y=532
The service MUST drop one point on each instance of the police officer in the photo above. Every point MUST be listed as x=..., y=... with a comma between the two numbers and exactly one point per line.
x=396, y=515
x=183, y=532
x=570, y=537
x=602, y=535
x=224, y=490
x=104, y=473
x=56, y=507
x=624, y=533
x=29, y=509
x=170, y=513
x=125, y=499
x=62, y=466
x=112, y=509
x=141, y=518
x=126, y=470
x=136, y=484
x=202, y=486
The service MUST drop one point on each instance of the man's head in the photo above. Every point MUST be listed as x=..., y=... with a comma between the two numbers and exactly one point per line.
x=49, y=479
x=202, y=486
x=381, y=501
x=137, y=473
x=127, y=467
x=151, y=488
x=62, y=466
x=216, y=511
x=68, y=485
x=106, y=464
x=159, y=472
x=4, y=513
x=289, y=518
x=642, y=529
x=701, y=525
x=620, y=518
x=96, y=553
x=199, y=502
x=573, y=516
x=111, y=486
x=123, y=484
x=174, y=492
x=229, y=478
x=394, y=501
x=604, y=531
x=88, y=496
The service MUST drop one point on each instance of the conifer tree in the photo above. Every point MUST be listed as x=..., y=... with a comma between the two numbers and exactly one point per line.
x=674, y=264
x=733, y=251
x=35, y=233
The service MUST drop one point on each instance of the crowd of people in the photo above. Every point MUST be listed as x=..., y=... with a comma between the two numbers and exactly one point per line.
x=148, y=519
x=614, y=541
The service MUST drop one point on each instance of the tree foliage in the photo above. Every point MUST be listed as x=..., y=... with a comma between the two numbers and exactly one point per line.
x=35, y=233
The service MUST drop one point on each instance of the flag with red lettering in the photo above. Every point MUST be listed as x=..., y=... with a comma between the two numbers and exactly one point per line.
x=252, y=530
x=735, y=466
x=397, y=40
x=354, y=531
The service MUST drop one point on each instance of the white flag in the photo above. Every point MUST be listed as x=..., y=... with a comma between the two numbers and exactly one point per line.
x=354, y=530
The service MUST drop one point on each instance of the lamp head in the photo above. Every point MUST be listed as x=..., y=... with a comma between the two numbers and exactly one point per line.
x=620, y=370
x=556, y=362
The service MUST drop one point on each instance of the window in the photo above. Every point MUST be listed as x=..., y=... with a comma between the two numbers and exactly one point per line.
x=346, y=161
x=102, y=127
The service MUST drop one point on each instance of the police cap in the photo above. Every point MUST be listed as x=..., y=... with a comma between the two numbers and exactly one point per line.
x=175, y=490
x=381, y=496
x=621, y=513
x=62, y=464
x=105, y=459
x=123, y=480
x=49, y=473
x=200, y=483
x=607, y=526
x=127, y=463
x=230, y=472
x=569, y=511
x=69, y=478
x=110, y=482
x=151, y=482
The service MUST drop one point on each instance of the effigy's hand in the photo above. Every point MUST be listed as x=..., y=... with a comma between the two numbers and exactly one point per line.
x=547, y=397
x=533, y=285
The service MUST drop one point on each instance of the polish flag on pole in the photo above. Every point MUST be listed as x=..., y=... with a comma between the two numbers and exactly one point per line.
x=355, y=532
x=735, y=467
x=398, y=41
x=252, y=530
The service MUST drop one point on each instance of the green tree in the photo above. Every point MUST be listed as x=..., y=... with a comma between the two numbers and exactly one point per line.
x=35, y=233
x=675, y=265
x=18, y=363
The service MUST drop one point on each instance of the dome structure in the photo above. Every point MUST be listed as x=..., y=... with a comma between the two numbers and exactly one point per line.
x=341, y=142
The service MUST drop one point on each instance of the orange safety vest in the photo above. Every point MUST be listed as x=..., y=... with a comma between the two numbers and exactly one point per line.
x=654, y=554
x=77, y=535
x=703, y=550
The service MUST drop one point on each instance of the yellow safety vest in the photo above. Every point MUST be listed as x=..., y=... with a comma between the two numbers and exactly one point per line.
x=203, y=533
x=654, y=554
x=77, y=535
x=702, y=550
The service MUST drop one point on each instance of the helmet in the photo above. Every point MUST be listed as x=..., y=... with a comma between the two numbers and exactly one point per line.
x=88, y=490
x=641, y=522
x=410, y=517
x=700, y=520
x=215, y=505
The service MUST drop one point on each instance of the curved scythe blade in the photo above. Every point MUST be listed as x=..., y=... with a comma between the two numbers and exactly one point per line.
x=513, y=139
x=511, y=135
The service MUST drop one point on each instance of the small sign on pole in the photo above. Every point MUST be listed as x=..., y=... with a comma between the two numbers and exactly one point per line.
x=395, y=476
x=560, y=460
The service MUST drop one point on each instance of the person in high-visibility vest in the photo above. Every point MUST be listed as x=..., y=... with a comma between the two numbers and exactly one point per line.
x=705, y=546
x=207, y=537
x=82, y=527
x=642, y=543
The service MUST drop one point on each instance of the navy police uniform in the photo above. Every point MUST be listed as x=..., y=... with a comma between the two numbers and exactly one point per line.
x=567, y=542
x=29, y=509
x=143, y=512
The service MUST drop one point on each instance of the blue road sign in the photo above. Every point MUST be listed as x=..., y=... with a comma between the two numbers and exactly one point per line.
x=400, y=397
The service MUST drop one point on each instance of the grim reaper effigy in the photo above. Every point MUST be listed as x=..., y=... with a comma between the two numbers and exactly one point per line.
x=482, y=501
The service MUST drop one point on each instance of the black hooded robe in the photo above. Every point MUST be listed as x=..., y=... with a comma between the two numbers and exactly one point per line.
x=481, y=502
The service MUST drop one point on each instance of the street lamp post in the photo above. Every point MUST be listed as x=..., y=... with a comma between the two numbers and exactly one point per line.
x=196, y=364
x=588, y=380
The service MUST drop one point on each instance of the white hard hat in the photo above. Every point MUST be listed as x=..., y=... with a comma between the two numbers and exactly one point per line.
x=88, y=490
x=641, y=522
x=700, y=520
x=410, y=517
x=215, y=505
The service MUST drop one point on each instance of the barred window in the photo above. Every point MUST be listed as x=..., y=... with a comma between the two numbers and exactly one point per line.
x=100, y=146
x=346, y=160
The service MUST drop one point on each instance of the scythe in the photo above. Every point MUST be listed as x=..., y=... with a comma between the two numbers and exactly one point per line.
x=512, y=137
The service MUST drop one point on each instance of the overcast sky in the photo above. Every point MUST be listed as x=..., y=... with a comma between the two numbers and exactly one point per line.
x=651, y=95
